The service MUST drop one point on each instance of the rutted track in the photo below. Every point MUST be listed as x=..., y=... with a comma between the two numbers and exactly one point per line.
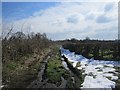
x=71, y=79
x=42, y=80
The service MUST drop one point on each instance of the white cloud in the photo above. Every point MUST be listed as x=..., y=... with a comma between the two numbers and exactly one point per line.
x=77, y=19
x=60, y=0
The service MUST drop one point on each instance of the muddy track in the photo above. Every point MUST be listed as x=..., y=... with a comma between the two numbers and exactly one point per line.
x=42, y=80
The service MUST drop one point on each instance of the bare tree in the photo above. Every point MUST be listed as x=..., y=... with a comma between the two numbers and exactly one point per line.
x=5, y=33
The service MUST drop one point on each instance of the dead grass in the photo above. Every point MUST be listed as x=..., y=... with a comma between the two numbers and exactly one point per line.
x=20, y=73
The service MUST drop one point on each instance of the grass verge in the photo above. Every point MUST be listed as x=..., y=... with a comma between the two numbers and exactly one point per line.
x=20, y=73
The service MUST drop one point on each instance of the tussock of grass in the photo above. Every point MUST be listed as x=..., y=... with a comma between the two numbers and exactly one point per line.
x=78, y=64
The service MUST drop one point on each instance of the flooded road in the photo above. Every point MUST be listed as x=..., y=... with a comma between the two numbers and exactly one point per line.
x=98, y=73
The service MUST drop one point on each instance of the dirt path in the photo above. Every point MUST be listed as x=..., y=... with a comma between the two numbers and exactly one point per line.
x=42, y=81
x=69, y=78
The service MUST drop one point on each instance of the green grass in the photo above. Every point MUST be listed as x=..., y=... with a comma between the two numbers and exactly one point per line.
x=78, y=64
x=108, y=56
x=90, y=55
x=55, y=69
x=12, y=66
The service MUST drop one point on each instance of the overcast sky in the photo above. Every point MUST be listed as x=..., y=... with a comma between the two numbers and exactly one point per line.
x=64, y=20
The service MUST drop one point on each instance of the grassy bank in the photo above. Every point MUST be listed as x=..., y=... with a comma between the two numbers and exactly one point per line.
x=20, y=73
x=55, y=70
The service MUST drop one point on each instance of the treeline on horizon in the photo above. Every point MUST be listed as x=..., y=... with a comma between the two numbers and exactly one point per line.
x=97, y=49
x=19, y=44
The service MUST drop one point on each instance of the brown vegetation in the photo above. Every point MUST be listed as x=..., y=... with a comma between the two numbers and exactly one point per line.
x=21, y=57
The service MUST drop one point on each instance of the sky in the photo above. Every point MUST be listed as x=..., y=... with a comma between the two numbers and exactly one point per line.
x=63, y=20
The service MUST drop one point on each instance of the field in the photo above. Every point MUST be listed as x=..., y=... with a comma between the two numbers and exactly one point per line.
x=37, y=62
x=99, y=50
